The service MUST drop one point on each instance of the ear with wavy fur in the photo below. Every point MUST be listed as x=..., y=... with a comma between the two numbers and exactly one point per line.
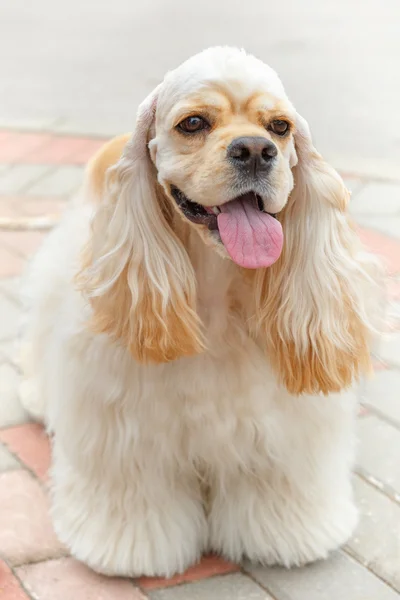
x=136, y=272
x=311, y=304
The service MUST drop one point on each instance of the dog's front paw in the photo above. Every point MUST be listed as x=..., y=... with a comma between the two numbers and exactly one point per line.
x=289, y=534
x=117, y=532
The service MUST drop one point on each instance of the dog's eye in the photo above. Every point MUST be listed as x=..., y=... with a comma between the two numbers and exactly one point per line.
x=193, y=124
x=279, y=127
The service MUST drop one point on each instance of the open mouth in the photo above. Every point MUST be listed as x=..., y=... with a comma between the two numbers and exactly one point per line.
x=252, y=237
x=197, y=213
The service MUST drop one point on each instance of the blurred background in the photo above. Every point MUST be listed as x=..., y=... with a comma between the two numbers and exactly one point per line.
x=72, y=73
x=84, y=65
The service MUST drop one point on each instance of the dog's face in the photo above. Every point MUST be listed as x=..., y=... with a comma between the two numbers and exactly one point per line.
x=223, y=149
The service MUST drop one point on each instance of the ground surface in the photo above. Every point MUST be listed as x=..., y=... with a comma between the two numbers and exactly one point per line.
x=38, y=172
x=73, y=73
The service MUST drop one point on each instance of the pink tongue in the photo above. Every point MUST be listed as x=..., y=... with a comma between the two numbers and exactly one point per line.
x=252, y=238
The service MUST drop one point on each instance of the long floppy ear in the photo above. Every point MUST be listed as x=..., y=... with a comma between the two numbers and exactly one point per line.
x=136, y=272
x=311, y=304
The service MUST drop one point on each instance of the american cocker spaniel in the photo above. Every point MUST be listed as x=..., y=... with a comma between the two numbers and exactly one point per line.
x=193, y=330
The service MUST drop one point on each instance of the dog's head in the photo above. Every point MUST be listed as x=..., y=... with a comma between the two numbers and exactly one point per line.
x=223, y=147
x=219, y=144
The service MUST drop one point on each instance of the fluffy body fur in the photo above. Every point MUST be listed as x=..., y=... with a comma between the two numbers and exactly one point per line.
x=195, y=405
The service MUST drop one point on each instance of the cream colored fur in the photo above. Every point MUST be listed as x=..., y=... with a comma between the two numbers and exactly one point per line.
x=197, y=407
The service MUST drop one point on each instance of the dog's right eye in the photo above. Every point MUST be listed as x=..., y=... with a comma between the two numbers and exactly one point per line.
x=193, y=124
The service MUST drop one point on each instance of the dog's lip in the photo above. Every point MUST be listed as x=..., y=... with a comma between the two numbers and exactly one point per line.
x=197, y=213
x=193, y=211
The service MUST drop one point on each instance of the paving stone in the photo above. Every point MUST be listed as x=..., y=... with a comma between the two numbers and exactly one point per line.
x=389, y=348
x=23, y=243
x=11, y=411
x=9, y=318
x=386, y=225
x=236, y=586
x=18, y=145
x=19, y=178
x=208, y=566
x=388, y=249
x=61, y=181
x=383, y=393
x=90, y=148
x=26, y=532
x=377, y=199
x=379, y=450
x=10, y=588
x=66, y=579
x=393, y=309
x=376, y=542
x=23, y=124
x=12, y=288
x=42, y=206
x=69, y=150
x=338, y=578
x=7, y=461
x=9, y=209
x=8, y=351
x=103, y=128
x=32, y=446
x=4, y=169
x=10, y=264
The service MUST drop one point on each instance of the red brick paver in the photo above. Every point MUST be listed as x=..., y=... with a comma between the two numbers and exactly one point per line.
x=31, y=444
x=26, y=532
x=11, y=265
x=10, y=588
x=64, y=150
x=22, y=243
x=46, y=149
x=383, y=246
x=66, y=579
x=7, y=208
x=37, y=206
x=209, y=566
x=15, y=146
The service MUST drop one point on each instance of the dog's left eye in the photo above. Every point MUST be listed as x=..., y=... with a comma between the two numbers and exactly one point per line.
x=193, y=124
x=279, y=127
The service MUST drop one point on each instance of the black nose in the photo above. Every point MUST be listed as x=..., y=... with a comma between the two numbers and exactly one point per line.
x=252, y=153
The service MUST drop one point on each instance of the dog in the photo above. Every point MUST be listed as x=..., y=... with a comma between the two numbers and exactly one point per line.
x=193, y=332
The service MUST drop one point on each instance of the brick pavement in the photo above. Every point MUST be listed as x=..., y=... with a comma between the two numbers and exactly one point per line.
x=38, y=172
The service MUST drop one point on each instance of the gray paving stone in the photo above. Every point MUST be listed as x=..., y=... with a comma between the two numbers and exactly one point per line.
x=389, y=348
x=8, y=351
x=12, y=288
x=9, y=318
x=45, y=124
x=228, y=587
x=377, y=199
x=379, y=450
x=19, y=178
x=339, y=578
x=101, y=127
x=61, y=181
x=11, y=411
x=386, y=225
x=7, y=460
x=376, y=542
x=393, y=310
x=383, y=393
